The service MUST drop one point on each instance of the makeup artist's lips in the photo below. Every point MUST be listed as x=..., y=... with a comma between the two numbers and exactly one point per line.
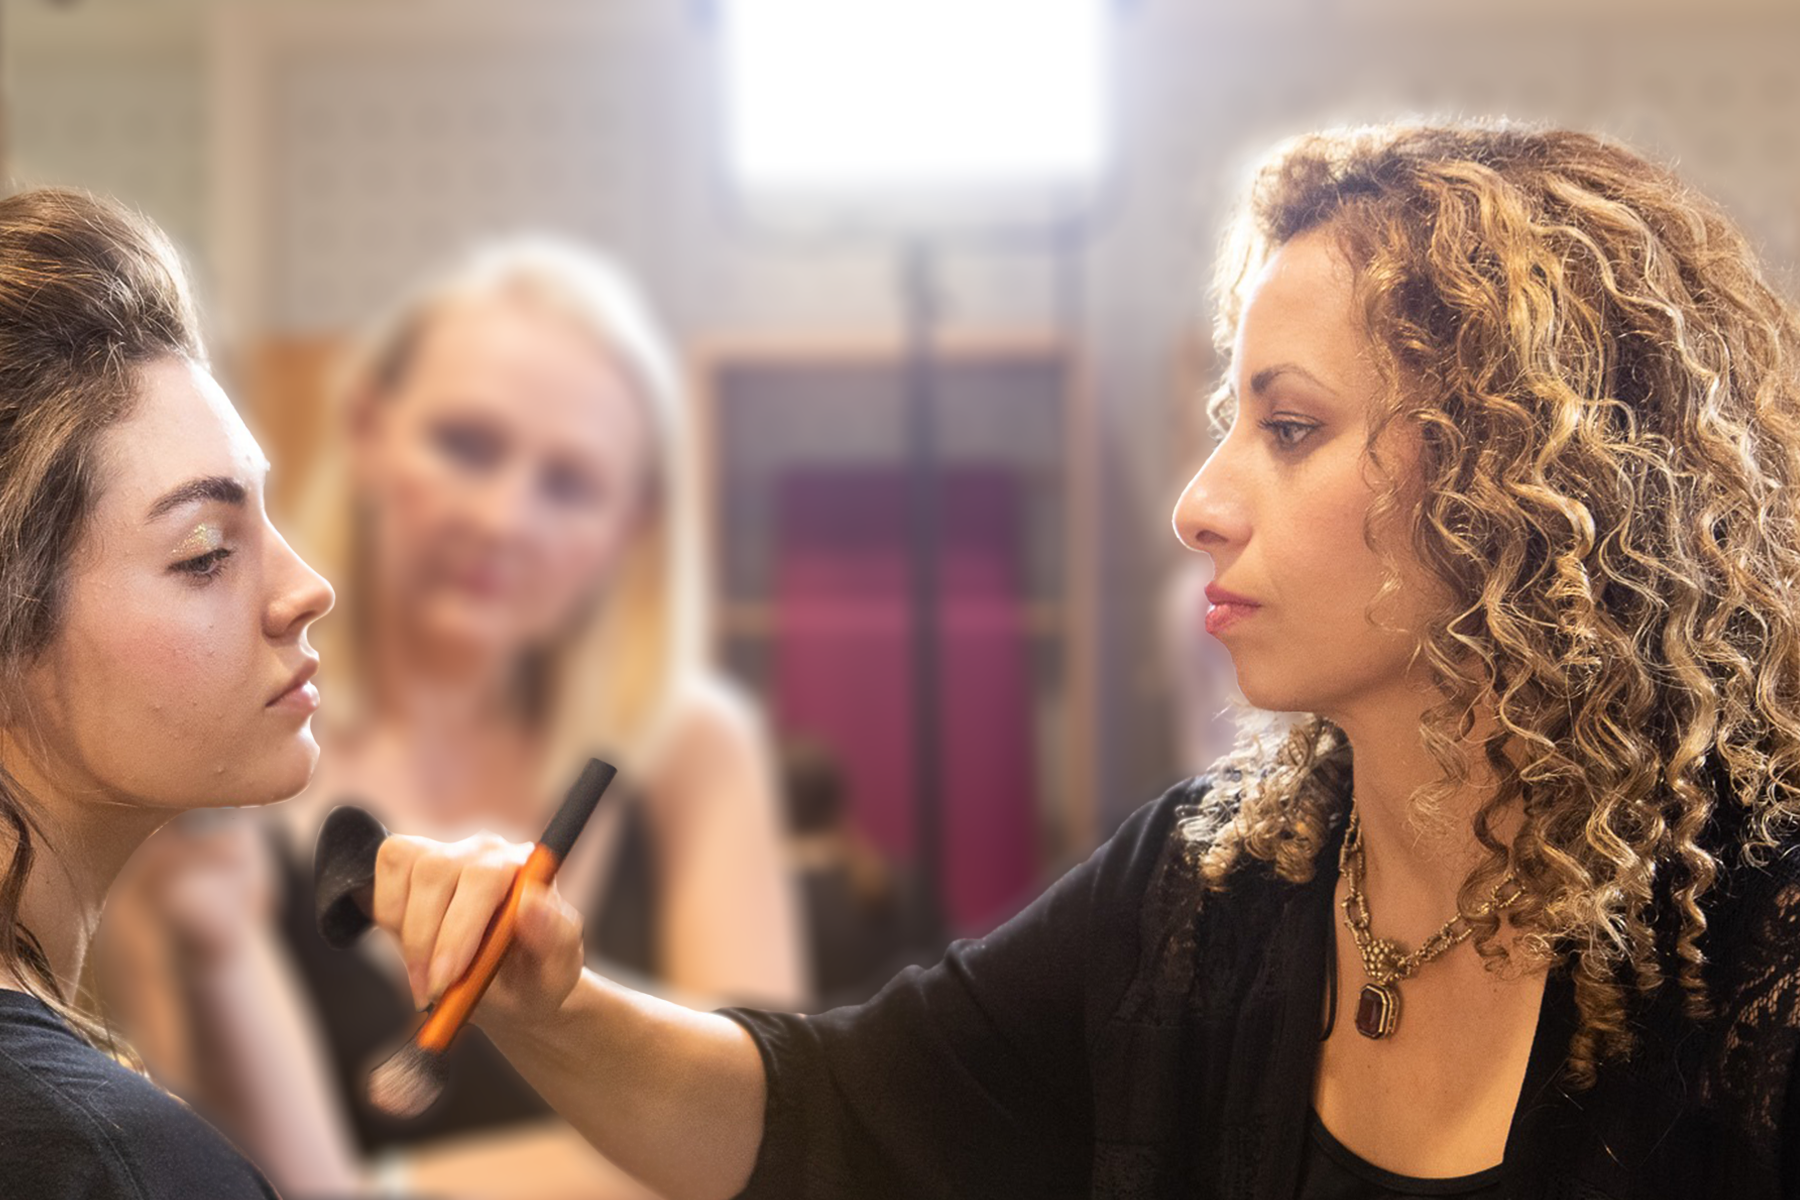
x=299, y=694
x=1228, y=608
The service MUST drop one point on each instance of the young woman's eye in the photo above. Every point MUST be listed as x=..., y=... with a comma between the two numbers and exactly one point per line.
x=467, y=445
x=1288, y=434
x=204, y=566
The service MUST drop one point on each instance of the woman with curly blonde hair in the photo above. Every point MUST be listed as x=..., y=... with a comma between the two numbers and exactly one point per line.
x=1497, y=894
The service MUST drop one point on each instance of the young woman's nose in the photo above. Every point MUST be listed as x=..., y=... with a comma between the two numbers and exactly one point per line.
x=300, y=596
x=1211, y=513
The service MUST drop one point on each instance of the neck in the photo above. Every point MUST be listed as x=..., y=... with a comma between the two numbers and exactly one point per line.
x=437, y=688
x=83, y=838
x=447, y=722
x=1418, y=865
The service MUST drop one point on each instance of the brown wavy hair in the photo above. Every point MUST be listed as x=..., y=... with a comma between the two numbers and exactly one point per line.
x=90, y=293
x=1603, y=384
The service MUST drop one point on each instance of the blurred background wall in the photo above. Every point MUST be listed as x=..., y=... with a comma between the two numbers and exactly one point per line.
x=313, y=157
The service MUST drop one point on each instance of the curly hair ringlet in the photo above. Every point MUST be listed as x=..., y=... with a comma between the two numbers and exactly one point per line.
x=1603, y=386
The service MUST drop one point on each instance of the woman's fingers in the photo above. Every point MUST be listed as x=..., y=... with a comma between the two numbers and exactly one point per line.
x=438, y=900
x=434, y=881
x=538, y=920
x=393, y=878
x=480, y=890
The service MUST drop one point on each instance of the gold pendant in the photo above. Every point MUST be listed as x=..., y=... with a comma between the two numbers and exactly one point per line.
x=1377, y=1010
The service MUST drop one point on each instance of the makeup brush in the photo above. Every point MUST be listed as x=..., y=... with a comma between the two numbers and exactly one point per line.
x=407, y=1083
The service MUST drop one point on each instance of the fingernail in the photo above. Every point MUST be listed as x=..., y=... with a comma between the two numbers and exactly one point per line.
x=418, y=992
x=435, y=981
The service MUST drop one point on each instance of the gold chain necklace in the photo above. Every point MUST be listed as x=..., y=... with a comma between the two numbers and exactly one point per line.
x=1378, y=1007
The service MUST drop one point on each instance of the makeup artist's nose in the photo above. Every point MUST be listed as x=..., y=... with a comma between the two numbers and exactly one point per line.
x=300, y=595
x=1211, y=514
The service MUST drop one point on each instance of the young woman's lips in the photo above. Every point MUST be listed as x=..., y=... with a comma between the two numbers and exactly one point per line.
x=1227, y=610
x=300, y=695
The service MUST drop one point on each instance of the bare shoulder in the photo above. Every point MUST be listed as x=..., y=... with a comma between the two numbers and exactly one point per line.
x=714, y=715
x=716, y=747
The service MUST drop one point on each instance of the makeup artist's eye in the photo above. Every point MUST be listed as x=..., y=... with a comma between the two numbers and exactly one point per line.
x=1288, y=434
x=205, y=566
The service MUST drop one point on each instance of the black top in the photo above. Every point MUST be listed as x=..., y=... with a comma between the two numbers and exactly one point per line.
x=75, y=1125
x=1130, y=1035
x=365, y=1017
x=1333, y=1171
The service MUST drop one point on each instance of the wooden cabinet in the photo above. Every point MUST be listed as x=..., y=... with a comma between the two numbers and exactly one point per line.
x=1013, y=425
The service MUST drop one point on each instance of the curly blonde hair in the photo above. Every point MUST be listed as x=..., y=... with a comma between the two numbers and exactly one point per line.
x=1604, y=388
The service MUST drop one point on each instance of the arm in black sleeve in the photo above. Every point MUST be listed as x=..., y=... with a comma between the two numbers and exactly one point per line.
x=969, y=1079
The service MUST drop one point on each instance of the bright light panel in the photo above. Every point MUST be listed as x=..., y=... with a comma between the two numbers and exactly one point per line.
x=860, y=95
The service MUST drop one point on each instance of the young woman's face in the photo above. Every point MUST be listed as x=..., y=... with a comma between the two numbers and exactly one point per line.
x=1281, y=502
x=504, y=477
x=177, y=675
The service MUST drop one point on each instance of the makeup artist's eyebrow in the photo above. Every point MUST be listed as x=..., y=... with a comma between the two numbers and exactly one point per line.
x=221, y=488
x=1261, y=381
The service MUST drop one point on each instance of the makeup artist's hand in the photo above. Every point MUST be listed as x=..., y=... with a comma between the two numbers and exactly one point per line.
x=437, y=900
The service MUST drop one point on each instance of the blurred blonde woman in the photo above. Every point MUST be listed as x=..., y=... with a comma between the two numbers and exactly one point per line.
x=509, y=515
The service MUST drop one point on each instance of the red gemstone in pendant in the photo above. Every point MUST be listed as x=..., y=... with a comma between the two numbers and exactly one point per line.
x=1377, y=1011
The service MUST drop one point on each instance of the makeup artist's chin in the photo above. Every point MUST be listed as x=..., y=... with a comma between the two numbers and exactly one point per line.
x=1275, y=684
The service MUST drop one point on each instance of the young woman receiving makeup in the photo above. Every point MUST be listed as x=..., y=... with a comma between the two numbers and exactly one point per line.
x=153, y=640
x=1503, y=518
x=508, y=513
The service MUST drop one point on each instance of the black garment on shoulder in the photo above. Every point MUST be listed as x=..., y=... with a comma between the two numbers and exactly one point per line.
x=1333, y=1171
x=75, y=1125
x=364, y=1018
x=1132, y=1035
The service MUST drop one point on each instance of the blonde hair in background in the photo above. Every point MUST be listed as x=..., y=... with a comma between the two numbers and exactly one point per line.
x=609, y=684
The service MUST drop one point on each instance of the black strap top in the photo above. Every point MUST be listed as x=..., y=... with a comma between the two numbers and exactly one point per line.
x=1331, y=1170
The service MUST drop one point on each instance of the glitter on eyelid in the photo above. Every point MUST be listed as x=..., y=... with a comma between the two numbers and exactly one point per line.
x=203, y=540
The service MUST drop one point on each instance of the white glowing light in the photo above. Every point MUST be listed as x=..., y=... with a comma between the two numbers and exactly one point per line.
x=844, y=95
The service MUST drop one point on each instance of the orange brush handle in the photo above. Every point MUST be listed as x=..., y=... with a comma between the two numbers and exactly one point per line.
x=461, y=997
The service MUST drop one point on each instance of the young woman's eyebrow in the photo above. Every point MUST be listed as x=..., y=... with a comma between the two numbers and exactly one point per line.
x=221, y=488
x=1265, y=378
